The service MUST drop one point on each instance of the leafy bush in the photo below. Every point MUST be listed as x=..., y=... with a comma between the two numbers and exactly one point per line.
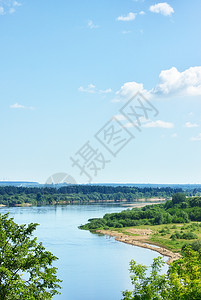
x=174, y=227
x=182, y=281
x=196, y=246
x=175, y=235
x=189, y=236
x=164, y=231
x=184, y=236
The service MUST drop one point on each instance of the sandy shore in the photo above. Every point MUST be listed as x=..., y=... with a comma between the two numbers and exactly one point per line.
x=139, y=204
x=23, y=205
x=141, y=240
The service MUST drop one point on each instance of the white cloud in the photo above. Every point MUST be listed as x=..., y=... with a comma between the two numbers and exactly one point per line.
x=184, y=83
x=171, y=83
x=17, y=105
x=147, y=123
x=11, y=10
x=15, y=3
x=1, y=10
x=119, y=117
x=130, y=89
x=159, y=124
x=174, y=135
x=91, y=86
x=130, y=125
x=91, y=25
x=126, y=31
x=20, y=106
x=141, y=12
x=91, y=89
x=191, y=125
x=107, y=91
x=162, y=8
x=129, y=17
x=196, y=138
x=8, y=6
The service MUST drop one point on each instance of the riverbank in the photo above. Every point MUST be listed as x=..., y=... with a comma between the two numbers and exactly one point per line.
x=140, y=238
x=138, y=203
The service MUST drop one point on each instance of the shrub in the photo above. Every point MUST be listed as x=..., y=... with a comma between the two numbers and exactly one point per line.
x=189, y=236
x=174, y=227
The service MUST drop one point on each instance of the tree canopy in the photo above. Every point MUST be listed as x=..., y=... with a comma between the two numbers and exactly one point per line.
x=156, y=214
x=26, y=270
x=182, y=281
x=12, y=195
x=178, y=198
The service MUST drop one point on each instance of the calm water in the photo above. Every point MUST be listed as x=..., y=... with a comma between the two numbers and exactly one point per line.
x=92, y=267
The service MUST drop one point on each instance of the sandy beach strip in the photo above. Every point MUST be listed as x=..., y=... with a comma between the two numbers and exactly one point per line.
x=141, y=241
x=141, y=202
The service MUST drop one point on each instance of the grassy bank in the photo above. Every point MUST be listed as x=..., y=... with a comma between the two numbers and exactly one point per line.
x=169, y=236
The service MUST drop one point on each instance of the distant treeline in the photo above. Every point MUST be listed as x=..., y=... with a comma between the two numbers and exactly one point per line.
x=11, y=195
x=178, y=210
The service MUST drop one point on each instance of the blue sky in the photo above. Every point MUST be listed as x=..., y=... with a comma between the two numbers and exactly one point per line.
x=67, y=68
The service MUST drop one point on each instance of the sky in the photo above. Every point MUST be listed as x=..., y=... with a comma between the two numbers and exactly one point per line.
x=75, y=77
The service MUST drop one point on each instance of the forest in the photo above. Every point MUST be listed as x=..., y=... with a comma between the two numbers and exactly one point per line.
x=83, y=194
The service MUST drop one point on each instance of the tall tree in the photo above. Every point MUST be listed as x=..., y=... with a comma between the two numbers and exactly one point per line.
x=178, y=198
x=26, y=270
x=182, y=281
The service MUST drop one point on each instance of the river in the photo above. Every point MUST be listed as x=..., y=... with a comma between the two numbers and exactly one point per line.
x=92, y=267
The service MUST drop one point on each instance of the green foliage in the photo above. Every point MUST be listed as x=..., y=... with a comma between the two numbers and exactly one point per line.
x=196, y=246
x=145, y=287
x=185, y=236
x=174, y=227
x=164, y=231
x=189, y=236
x=152, y=215
x=196, y=201
x=11, y=195
x=178, y=198
x=26, y=271
x=96, y=223
x=182, y=281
